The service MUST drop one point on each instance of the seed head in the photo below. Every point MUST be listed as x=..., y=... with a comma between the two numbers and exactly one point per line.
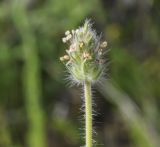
x=84, y=54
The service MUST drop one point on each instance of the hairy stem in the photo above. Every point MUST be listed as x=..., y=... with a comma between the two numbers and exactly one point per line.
x=88, y=113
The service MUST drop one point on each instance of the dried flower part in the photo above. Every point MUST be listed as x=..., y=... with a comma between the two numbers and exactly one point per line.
x=87, y=56
x=104, y=44
x=84, y=54
x=64, y=58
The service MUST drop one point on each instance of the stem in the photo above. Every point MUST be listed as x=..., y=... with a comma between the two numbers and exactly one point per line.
x=88, y=113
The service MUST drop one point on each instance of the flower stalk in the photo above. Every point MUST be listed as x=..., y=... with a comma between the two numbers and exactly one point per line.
x=88, y=113
x=85, y=64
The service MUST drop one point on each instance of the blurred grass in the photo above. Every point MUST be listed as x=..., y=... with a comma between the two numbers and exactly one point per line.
x=129, y=110
x=4, y=132
x=31, y=77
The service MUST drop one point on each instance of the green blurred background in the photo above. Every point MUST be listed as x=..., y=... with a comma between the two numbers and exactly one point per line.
x=39, y=109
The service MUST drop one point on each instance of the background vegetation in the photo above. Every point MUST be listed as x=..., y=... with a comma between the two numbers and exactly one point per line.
x=37, y=109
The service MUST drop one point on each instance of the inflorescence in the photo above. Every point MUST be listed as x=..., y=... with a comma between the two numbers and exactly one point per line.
x=84, y=57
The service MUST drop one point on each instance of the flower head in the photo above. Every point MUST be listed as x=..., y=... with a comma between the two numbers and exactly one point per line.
x=84, y=60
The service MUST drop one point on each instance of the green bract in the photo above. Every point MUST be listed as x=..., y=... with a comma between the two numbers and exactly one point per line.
x=84, y=59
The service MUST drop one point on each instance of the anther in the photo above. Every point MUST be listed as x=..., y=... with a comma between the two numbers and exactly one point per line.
x=69, y=37
x=81, y=44
x=64, y=40
x=104, y=44
x=66, y=57
x=67, y=33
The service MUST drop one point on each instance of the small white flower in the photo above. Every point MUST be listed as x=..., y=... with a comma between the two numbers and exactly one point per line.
x=69, y=37
x=64, y=40
x=67, y=33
